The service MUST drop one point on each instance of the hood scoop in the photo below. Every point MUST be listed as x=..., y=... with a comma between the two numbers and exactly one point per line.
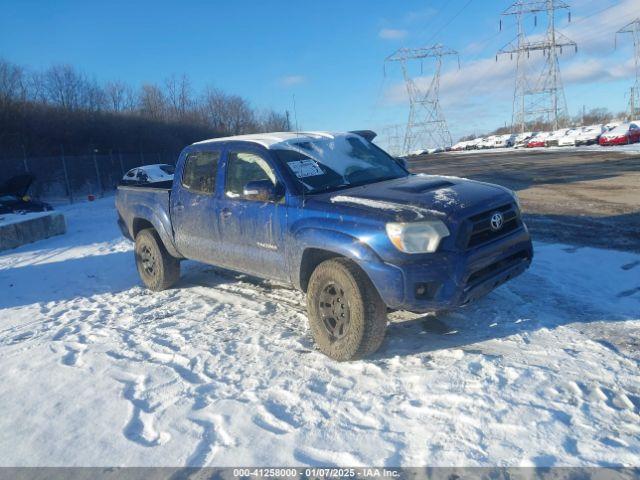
x=422, y=187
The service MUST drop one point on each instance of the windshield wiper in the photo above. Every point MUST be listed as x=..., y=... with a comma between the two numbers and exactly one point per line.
x=330, y=188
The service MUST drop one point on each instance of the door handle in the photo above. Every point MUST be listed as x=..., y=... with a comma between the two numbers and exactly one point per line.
x=179, y=206
x=226, y=213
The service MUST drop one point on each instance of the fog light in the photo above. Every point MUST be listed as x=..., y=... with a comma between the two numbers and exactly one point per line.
x=426, y=290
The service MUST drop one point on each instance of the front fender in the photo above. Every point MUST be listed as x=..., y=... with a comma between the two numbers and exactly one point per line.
x=387, y=279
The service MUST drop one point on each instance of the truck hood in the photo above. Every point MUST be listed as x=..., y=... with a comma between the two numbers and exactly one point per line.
x=420, y=197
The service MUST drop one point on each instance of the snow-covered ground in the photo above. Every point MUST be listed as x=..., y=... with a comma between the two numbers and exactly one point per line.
x=97, y=371
x=11, y=218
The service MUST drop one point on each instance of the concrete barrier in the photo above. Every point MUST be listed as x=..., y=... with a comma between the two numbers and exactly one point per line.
x=16, y=230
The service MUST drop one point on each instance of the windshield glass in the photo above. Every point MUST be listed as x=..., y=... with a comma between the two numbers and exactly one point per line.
x=169, y=169
x=324, y=164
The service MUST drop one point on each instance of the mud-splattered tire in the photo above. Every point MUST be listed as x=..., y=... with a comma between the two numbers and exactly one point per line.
x=347, y=317
x=158, y=270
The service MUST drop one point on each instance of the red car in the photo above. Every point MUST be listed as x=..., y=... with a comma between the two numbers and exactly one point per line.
x=539, y=140
x=621, y=135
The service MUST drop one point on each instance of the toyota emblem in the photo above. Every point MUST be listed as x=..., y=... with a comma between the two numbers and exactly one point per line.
x=496, y=221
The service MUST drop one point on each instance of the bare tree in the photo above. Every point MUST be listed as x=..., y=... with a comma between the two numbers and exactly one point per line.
x=92, y=96
x=229, y=114
x=272, y=121
x=119, y=97
x=179, y=97
x=13, y=86
x=64, y=86
x=152, y=102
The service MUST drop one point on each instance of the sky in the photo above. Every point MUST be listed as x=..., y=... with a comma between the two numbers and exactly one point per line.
x=324, y=60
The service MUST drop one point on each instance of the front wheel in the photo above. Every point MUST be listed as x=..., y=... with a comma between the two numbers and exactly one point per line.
x=157, y=268
x=347, y=317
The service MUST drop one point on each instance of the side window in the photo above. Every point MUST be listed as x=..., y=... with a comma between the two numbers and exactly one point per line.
x=244, y=167
x=200, y=170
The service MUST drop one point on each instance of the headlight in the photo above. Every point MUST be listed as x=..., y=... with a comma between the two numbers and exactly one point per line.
x=517, y=200
x=417, y=237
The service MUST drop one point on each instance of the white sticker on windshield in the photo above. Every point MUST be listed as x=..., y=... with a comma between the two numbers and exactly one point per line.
x=305, y=168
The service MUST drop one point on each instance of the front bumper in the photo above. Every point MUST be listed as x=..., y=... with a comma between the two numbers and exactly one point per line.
x=452, y=279
x=614, y=141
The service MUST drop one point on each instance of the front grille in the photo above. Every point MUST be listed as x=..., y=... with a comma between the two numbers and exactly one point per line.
x=494, y=268
x=477, y=229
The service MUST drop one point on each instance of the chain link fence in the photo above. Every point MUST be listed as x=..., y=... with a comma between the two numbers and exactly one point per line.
x=69, y=178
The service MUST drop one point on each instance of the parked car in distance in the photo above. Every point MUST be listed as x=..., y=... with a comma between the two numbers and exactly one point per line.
x=504, y=141
x=161, y=172
x=488, y=142
x=622, y=134
x=538, y=140
x=335, y=216
x=569, y=138
x=522, y=139
x=554, y=137
x=473, y=144
x=15, y=198
x=462, y=145
x=590, y=135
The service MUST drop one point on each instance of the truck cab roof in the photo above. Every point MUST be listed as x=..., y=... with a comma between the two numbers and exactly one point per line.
x=268, y=140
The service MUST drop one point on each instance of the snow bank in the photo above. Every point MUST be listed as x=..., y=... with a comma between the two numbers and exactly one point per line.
x=98, y=371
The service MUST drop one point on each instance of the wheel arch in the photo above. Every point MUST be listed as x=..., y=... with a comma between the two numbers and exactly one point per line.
x=319, y=245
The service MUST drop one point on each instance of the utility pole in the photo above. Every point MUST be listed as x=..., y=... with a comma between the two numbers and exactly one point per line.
x=426, y=126
x=634, y=99
x=542, y=96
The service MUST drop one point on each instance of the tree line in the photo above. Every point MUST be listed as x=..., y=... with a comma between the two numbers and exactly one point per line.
x=61, y=108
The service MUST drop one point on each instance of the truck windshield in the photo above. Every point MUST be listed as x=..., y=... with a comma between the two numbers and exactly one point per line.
x=327, y=164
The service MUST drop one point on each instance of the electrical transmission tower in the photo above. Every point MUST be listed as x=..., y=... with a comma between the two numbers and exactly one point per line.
x=542, y=95
x=634, y=98
x=393, y=138
x=426, y=126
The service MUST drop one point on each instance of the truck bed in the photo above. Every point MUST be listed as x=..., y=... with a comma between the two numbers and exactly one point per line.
x=145, y=201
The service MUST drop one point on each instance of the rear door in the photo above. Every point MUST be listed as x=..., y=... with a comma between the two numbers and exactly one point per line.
x=252, y=230
x=193, y=207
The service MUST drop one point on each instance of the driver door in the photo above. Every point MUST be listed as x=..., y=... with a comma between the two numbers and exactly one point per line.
x=251, y=230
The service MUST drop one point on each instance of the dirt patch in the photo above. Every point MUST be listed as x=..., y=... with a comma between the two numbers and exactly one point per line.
x=583, y=198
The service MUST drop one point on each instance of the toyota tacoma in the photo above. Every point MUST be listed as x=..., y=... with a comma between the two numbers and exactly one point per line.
x=335, y=216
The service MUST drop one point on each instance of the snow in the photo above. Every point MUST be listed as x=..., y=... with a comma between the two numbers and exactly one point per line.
x=383, y=205
x=446, y=196
x=98, y=371
x=11, y=218
x=269, y=139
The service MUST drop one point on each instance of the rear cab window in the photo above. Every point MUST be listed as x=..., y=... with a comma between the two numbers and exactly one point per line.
x=199, y=173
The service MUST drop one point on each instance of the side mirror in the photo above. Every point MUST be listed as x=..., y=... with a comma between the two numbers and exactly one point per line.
x=402, y=162
x=260, y=190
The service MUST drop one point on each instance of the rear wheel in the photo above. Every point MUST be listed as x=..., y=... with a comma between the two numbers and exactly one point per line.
x=158, y=270
x=347, y=317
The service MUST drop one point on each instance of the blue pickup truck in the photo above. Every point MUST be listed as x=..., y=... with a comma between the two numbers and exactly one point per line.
x=333, y=215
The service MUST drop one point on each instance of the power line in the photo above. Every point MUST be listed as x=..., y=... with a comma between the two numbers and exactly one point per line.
x=437, y=32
